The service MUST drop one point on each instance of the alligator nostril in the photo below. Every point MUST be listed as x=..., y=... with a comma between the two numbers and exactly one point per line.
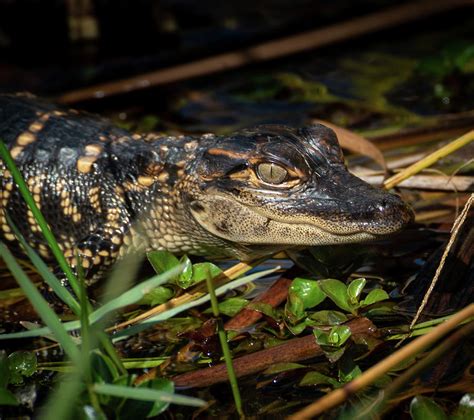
x=383, y=205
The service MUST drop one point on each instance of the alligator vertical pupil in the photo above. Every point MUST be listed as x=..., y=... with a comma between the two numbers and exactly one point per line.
x=271, y=173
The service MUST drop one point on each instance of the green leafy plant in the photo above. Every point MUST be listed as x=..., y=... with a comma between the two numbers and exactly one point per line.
x=348, y=298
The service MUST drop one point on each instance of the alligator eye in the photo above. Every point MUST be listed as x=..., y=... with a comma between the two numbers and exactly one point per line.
x=271, y=173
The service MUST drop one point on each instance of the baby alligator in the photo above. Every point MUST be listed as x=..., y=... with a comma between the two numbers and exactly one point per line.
x=107, y=192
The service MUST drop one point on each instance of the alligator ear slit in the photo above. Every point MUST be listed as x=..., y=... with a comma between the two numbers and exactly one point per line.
x=196, y=206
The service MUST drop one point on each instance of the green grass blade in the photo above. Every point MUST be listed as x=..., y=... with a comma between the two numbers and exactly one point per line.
x=39, y=303
x=174, y=311
x=62, y=401
x=50, y=279
x=145, y=394
x=135, y=294
x=25, y=192
x=225, y=347
x=40, y=332
x=74, y=325
x=128, y=298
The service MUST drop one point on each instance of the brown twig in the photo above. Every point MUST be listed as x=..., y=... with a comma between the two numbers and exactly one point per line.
x=429, y=182
x=192, y=294
x=429, y=160
x=448, y=345
x=293, y=350
x=269, y=50
x=275, y=295
x=454, y=233
x=338, y=396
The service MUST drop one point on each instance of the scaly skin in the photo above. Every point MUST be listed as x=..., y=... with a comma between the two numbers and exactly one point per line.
x=107, y=192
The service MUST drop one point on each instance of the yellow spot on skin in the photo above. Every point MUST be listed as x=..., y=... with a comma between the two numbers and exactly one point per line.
x=9, y=186
x=76, y=217
x=97, y=260
x=68, y=253
x=36, y=126
x=15, y=151
x=128, y=186
x=116, y=240
x=26, y=138
x=145, y=180
x=43, y=250
x=84, y=164
x=104, y=253
x=163, y=177
x=86, y=263
x=9, y=237
x=87, y=252
x=6, y=228
x=93, y=149
x=7, y=174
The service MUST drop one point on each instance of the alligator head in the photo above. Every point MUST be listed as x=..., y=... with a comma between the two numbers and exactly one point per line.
x=274, y=187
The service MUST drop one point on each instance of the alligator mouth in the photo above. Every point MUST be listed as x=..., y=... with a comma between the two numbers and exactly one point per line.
x=227, y=217
x=378, y=225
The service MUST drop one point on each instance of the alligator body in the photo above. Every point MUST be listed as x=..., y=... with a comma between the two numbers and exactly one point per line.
x=107, y=192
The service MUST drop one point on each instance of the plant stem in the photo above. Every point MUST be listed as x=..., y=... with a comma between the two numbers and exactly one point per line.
x=429, y=160
x=225, y=346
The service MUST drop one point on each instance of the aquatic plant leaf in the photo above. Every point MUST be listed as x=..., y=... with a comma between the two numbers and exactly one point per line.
x=298, y=328
x=327, y=317
x=20, y=364
x=202, y=270
x=162, y=261
x=336, y=337
x=422, y=408
x=374, y=296
x=336, y=290
x=185, y=279
x=232, y=306
x=157, y=296
x=317, y=378
x=294, y=308
x=349, y=375
x=354, y=290
x=465, y=409
x=264, y=308
x=103, y=368
x=309, y=291
x=7, y=398
x=282, y=367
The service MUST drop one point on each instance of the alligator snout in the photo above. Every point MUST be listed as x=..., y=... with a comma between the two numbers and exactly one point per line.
x=389, y=213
